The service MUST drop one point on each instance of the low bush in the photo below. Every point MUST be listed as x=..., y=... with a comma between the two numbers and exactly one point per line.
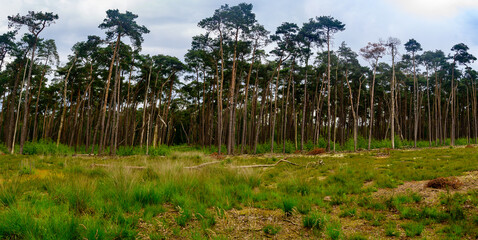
x=46, y=148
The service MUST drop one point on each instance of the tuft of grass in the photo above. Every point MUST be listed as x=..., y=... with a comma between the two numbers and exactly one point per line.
x=271, y=229
x=314, y=220
x=183, y=218
x=454, y=231
x=288, y=205
x=413, y=229
x=334, y=230
x=391, y=230
x=349, y=212
x=357, y=237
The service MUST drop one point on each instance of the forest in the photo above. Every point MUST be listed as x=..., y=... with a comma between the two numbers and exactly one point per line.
x=240, y=89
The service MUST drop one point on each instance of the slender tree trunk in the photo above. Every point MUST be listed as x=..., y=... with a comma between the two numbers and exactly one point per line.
x=452, y=136
x=26, y=106
x=275, y=105
x=231, y=135
x=415, y=99
x=244, y=114
x=302, y=127
x=145, y=109
x=128, y=103
x=18, y=110
x=108, y=80
x=291, y=79
x=328, y=93
x=64, y=102
x=258, y=125
x=219, y=95
x=371, y=105
x=335, y=105
x=429, y=114
x=392, y=93
x=475, y=120
x=35, y=120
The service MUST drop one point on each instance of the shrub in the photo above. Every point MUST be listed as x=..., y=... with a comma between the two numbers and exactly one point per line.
x=162, y=150
x=46, y=148
x=3, y=149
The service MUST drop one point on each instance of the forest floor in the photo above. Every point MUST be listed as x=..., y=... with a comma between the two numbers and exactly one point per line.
x=397, y=194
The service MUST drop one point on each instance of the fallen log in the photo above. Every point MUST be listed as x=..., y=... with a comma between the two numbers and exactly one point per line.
x=107, y=165
x=266, y=165
x=204, y=164
x=207, y=164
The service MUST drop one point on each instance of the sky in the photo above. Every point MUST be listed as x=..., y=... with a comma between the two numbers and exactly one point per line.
x=436, y=24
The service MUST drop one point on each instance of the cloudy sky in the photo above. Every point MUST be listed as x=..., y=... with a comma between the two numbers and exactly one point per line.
x=436, y=24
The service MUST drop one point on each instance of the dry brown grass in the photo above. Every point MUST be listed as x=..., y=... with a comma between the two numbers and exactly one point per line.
x=317, y=151
x=216, y=155
x=443, y=183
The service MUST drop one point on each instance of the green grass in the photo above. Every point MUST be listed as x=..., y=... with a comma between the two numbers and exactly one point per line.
x=48, y=147
x=314, y=220
x=271, y=229
x=55, y=196
x=413, y=229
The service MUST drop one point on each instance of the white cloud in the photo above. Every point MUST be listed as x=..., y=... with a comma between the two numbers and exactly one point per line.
x=436, y=24
x=435, y=8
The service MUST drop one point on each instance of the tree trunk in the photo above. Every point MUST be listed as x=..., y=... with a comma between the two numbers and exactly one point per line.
x=275, y=106
x=26, y=106
x=328, y=93
x=371, y=105
x=108, y=80
x=64, y=102
x=145, y=109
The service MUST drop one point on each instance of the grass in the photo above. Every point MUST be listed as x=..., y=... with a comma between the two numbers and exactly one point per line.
x=271, y=229
x=314, y=221
x=62, y=196
x=48, y=147
x=413, y=229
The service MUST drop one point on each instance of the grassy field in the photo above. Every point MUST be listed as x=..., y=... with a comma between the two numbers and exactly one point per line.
x=366, y=195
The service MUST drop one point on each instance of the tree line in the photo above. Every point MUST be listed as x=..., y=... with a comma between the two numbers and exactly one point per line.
x=239, y=86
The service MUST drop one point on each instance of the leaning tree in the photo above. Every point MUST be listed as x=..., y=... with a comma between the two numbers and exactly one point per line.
x=118, y=25
x=36, y=22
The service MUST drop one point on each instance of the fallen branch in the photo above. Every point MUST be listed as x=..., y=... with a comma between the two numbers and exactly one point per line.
x=206, y=164
x=266, y=165
x=203, y=165
x=320, y=162
x=106, y=165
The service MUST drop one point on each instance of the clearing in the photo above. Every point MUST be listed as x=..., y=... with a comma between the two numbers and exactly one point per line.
x=188, y=195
